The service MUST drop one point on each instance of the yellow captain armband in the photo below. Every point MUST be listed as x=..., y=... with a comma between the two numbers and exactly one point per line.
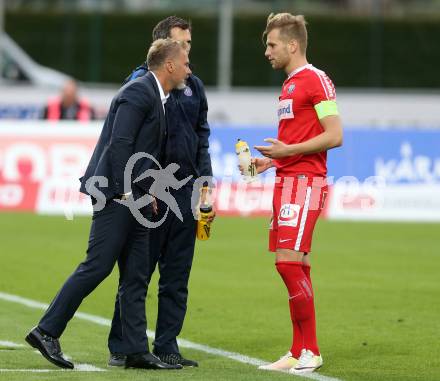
x=326, y=108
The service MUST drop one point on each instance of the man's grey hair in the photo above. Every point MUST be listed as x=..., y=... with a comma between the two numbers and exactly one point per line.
x=162, y=50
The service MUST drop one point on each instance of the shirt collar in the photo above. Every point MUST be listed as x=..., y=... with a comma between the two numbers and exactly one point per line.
x=298, y=69
x=162, y=95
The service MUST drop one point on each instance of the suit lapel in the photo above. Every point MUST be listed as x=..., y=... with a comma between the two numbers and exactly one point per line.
x=162, y=120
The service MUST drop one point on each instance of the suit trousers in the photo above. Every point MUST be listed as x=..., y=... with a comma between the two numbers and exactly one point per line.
x=114, y=234
x=172, y=248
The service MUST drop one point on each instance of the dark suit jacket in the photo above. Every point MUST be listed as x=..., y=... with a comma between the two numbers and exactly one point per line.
x=188, y=128
x=135, y=123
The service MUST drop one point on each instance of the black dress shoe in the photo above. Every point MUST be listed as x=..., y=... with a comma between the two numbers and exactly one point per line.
x=116, y=359
x=176, y=358
x=49, y=347
x=148, y=361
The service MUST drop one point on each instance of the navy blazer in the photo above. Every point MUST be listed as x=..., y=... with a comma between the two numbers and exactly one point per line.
x=135, y=123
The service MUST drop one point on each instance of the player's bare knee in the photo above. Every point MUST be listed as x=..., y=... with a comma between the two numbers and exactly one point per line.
x=306, y=259
x=288, y=255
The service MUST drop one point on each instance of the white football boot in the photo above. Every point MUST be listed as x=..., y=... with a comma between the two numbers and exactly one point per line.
x=285, y=363
x=308, y=362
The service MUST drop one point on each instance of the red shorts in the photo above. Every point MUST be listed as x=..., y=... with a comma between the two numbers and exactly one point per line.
x=297, y=203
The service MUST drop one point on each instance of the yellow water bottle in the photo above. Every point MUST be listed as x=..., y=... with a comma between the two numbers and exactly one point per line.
x=203, y=224
x=205, y=213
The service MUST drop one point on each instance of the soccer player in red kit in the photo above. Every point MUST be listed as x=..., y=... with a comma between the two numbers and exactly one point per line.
x=309, y=125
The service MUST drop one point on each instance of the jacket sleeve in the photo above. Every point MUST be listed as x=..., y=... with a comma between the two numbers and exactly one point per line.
x=134, y=106
x=203, y=132
x=140, y=71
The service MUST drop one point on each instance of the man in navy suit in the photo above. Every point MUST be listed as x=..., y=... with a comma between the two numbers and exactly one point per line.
x=135, y=125
x=172, y=243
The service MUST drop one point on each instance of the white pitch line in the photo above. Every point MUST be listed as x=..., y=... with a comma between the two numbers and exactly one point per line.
x=10, y=344
x=78, y=367
x=182, y=342
x=54, y=370
x=30, y=370
x=88, y=368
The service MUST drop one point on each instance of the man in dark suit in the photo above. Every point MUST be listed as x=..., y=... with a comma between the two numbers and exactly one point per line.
x=172, y=243
x=135, y=125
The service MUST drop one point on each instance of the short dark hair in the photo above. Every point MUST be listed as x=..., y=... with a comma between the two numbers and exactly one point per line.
x=163, y=28
x=162, y=50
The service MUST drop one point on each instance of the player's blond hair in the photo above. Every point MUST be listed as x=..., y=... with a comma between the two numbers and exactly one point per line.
x=291, y=28
x=162, y=50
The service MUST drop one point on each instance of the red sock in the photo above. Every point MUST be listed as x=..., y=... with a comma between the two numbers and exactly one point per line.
x=306, y=269
x=301, y=307
x=298, y=339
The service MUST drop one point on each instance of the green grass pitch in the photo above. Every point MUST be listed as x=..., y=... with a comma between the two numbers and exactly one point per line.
x=376, y=285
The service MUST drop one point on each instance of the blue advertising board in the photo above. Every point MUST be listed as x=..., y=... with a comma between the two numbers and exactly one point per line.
x=410, y=156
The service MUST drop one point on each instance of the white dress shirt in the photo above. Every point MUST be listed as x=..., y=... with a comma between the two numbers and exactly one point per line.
x=163, y=97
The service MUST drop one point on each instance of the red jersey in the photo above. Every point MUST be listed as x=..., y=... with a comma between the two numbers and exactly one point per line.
x=298, y=121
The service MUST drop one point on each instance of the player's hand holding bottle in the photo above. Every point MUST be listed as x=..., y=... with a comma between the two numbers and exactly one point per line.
x=261, y=164
x=206, y=215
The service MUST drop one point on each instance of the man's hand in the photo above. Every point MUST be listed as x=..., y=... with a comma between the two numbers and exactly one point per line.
x=261, y=164
x=276, y=150
x=330, y=138
x=125, y=196
x=154, y=206
x=205, y=195
x=211, y=217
